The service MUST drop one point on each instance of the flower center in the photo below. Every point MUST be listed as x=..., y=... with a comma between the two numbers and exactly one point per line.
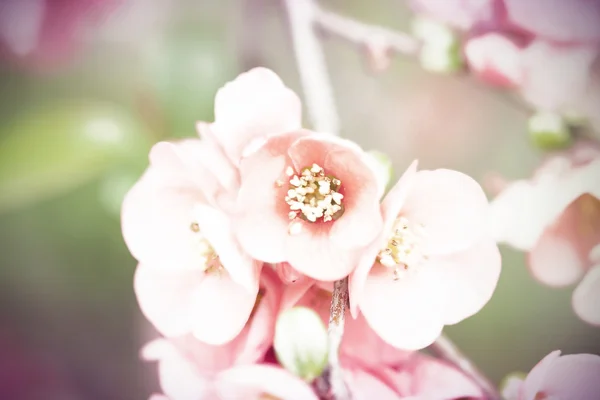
x=211, y=262
x=314, y=196
x=404, y=251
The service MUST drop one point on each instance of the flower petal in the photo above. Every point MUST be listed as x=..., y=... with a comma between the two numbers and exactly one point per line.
x=406, y=313
x=537, y=376
x=573, y=377
x=470, y=278
x=180, y=380
x=586, y=297
x=363, y=386
x=452, y=207
x=259, y=379
x=165, y=297
x=254, y=105
x=221, y=308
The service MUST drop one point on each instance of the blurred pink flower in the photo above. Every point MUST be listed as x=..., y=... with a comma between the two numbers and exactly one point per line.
x=193, y=276
x=43, y=33
x=311, y=200
x=424, y=377
x=569, y=21
x=555, y=216
x=360, y=347
x=556, y=377
x=433, y=263
x=249, y=109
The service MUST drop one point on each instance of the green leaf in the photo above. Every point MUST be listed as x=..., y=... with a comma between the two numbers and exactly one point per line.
x=55, y=148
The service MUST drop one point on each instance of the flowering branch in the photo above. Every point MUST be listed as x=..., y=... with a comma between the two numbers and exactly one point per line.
x=363, y=34
x=448, y=351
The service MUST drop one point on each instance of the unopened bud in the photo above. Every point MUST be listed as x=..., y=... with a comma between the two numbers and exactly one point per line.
x=440, y=50
x=301, y=342
x=549, y=130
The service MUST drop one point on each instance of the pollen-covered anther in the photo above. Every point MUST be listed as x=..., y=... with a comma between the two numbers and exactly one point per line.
x=211, y=262
x=314, y=196
x=405, y=250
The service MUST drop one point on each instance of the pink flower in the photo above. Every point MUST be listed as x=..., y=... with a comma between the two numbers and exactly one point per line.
x=424, y=377
x=251, y=108
x=433, y=263
x=555, y=216
x=311, y=200
x=40, y=33
x=557, y=20
x=360, y=347
x=181, y=378
x=193, y=276
x=496, y=59
x=556, y=377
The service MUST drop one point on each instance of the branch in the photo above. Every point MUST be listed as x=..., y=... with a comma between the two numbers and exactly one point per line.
x=337, y=313
x=316, y=86
x=448, y=351
x=368, y=35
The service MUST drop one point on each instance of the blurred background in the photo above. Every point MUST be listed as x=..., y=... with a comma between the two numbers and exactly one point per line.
x=87, y=86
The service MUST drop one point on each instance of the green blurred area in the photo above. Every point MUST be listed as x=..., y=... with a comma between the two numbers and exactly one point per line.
x=73, y=141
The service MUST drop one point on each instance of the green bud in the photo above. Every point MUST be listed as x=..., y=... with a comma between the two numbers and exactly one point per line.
x=549, y=131
x=440, y=50
x=301, y=342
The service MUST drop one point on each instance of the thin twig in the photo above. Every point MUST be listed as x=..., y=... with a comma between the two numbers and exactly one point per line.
x=312, y=68
x=445, y=349
x=337, y=313
x=364, y=34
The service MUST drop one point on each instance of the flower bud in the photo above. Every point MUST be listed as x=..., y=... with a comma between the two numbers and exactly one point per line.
x=440, y=50
x=301, y=342
x=549, y=130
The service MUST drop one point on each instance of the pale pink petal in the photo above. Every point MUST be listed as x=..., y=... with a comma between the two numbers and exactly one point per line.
x=361, y=221
x=157, y=396
x=207, y=359
x=254, y=105
x=156, y=217
x=470, y=278
x=288, y=274
x=496, y=59
x=573, y=377
x=512, y=388
x=312, y=253
x=406, y=313
x=555, y=260
x=216, y=227
x=452, y=207
x=390, y=208
x=264, y=379
x=595, y=254
x=221, y=308
x=364, y=386
x=261, y=225
x=536, y=378
x=568, y=21
x=294, y=292
x=180, y=380
x=556, y=77
x=586, y=297
x=165, y=297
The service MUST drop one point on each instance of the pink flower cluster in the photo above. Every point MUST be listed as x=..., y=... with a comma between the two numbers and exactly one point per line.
x=555, y=217
x=545, y=49
x=260, y=215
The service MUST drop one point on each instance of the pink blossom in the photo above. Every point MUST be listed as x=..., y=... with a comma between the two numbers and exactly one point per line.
x=555, y=217
x=193, y=275
x=556, y=377
x=496, y=59
x=311, y=200
x=249, y=109
x=558, y=20
x=41, y=33
x=433, y=263
x=181, y=378
x=461, y=14
x=424, y=377
x=361, y=347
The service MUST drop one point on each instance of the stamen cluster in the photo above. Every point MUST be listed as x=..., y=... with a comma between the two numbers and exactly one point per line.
x=211, y=260
x=404, y=249
x=314, y=195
